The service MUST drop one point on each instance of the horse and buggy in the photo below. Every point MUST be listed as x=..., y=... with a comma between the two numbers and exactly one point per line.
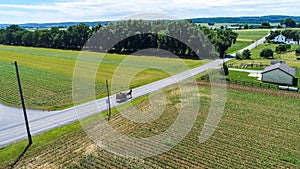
x=123, y=96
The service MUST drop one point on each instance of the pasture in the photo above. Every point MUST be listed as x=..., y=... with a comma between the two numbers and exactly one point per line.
x=247, y=37
x=46, y=74
x=256, y=131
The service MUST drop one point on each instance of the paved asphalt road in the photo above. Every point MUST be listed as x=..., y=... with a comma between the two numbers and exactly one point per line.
x=12, y=127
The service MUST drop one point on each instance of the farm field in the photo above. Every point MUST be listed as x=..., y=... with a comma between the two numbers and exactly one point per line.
x=252, y=34
x=246, y=37
x=46, y=74
x=289, y=57
x=251, y=134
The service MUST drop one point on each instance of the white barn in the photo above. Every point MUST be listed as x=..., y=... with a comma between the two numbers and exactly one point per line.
x=279, y=74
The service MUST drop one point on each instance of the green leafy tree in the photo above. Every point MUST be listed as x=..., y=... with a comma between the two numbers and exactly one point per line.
x=223, y=40
x=289, y=23
x=273, y=34
x=267, y=53
x=225, y=70
x=265, y=25
x=298, y=51
x=246, y=54
x=281, y=48
x=27, y=38
x=12, y=36
x=238, y=56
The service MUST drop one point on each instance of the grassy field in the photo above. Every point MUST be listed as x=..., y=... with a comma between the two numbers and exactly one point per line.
x=238, y=46
x=256, y=131
x=289, y=57
x=251, y=34
x=46, y=74
x=247, y=37
x=243, y=76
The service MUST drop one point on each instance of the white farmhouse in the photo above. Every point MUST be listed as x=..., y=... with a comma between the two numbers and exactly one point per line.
x=282, y=39
x=279, y=39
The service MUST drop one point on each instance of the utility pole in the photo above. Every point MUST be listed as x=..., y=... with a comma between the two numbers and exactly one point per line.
x=23, y=104
x=108, y=99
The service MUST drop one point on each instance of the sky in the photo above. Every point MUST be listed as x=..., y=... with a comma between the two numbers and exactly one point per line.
x=46, y=11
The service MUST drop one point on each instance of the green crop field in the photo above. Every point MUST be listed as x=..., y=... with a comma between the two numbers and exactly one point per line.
x=246, y=37
x=256, y=131
x=238, y=45
x=251, y=34
x=46, y=74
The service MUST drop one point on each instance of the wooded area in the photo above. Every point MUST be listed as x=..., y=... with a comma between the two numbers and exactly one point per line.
x=127, y=37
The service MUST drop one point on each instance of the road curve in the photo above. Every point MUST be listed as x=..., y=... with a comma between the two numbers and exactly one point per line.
x=12, y=127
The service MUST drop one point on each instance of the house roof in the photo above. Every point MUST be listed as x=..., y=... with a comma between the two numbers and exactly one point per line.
x=281, y=66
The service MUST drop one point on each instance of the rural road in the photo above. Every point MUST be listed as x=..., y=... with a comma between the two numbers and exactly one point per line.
x=12, y=126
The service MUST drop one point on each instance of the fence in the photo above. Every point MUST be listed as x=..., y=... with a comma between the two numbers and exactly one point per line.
x=245, y=83
x=209, y=74
x=246, y=65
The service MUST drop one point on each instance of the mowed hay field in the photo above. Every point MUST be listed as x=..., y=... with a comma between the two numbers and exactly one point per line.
x=247, y=37
x=46, y=74
x=256, y=131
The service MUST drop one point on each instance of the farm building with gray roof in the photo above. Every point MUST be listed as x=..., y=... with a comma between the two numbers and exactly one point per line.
x=280, y=74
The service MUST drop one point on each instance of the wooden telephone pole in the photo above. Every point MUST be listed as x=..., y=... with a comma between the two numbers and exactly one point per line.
x=23, y=104
x=108, y=99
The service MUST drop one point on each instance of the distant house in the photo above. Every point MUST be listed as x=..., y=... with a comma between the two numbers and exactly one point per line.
x=279, y=73
x=282, y=39
x=283, y=26
x=279, y=39
x=234, y=27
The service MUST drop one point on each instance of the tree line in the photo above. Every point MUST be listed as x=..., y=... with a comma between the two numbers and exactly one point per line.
x=288, y=33
x=127, y=37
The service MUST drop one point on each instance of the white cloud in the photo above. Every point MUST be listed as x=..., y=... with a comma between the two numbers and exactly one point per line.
x=81, y=10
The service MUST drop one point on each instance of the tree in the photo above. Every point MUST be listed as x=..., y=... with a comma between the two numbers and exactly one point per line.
x=223, y=40
x=267, y=53
x=298, y=51
x=246, y=26
x=225, y=71
x=12, y=32
x=78, y=35
x=290, y=23
x=246, y=54
x=281, y=48
x=238, y=56
x=27, y=38
x=265, y=25
x=273, y=34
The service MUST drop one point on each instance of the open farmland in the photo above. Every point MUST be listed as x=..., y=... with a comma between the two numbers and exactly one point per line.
x=255, y=132
x=251, y=34
x=246, y=37
x=289, y=57
x=46, y=74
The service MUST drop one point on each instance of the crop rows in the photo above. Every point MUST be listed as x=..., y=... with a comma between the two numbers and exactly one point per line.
x=245, y=138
